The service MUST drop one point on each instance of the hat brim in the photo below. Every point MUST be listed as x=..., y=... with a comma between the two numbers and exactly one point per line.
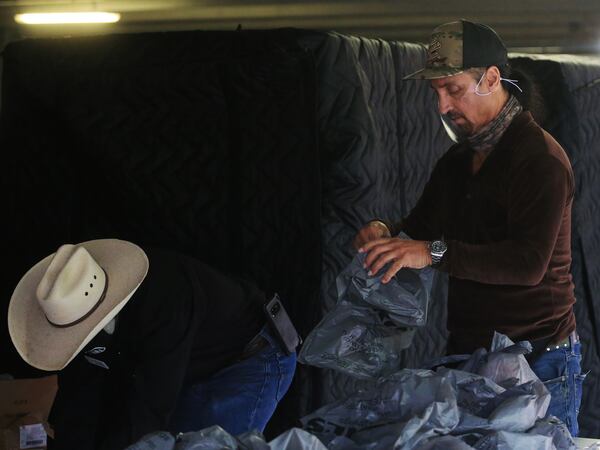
x=433, y=73
x=48, y=347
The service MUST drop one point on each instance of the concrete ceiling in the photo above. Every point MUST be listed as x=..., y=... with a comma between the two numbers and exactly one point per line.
x=567, y=26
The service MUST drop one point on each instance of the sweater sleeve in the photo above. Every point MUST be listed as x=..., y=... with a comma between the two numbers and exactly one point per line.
x=539, y=199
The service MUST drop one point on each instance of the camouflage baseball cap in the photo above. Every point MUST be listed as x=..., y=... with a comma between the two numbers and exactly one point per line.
x=457, y=46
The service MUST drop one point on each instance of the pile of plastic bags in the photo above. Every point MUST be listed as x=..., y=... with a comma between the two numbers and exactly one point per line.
x=215, y=438
x=499, y=403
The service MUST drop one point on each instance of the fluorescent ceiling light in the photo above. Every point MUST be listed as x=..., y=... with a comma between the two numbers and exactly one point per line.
x=67, y=17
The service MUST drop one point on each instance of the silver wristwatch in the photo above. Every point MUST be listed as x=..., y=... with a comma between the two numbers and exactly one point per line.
x=437, y=249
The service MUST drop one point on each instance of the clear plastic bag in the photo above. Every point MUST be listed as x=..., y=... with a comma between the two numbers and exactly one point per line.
x=296, y=439
x=359, y=341
x=212, y=438
x=158, y=440
x=371, y=322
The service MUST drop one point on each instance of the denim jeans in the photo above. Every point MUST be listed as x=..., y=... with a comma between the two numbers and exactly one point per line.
x=240, y=397
x=560, y=370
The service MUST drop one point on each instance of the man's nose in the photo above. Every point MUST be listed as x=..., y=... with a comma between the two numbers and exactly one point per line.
x=443, y=103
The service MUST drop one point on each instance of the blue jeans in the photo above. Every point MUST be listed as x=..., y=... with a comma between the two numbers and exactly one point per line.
x=240, y=397
x=560, y=370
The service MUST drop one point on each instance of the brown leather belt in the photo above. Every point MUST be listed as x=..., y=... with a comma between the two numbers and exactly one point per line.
x=567, y=342
x=542, y=345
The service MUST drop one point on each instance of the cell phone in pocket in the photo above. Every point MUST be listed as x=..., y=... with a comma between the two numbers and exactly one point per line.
x=281, y=325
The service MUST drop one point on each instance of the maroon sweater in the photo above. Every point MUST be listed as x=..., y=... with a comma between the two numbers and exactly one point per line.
x=508, y=230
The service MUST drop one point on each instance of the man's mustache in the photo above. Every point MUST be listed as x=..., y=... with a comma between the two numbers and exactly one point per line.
x=452, y=115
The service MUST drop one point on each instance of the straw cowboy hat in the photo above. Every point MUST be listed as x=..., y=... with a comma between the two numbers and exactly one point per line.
x=63, y=301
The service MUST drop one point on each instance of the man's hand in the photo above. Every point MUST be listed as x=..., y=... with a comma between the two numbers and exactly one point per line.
x=399, y=252
x=371, y=231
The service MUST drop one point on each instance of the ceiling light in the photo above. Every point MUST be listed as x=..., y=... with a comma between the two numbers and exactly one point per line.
x=67, y=17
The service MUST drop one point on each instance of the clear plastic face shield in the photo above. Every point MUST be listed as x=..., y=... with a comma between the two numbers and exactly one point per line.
x=454, y=132
x=457, y=133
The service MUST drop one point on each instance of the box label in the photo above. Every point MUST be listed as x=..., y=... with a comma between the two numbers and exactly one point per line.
x=32, y=436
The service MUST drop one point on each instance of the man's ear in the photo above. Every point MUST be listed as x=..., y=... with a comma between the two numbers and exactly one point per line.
x=492, y=78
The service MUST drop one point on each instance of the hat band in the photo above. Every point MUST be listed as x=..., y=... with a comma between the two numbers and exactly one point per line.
x=89, y=313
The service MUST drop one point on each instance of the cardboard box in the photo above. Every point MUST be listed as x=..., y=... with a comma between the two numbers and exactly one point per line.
x=24, y=408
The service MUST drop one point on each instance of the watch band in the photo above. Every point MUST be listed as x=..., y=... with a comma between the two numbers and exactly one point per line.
x=437, y=249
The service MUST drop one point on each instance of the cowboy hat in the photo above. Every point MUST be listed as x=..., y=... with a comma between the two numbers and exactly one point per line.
x=63, y=301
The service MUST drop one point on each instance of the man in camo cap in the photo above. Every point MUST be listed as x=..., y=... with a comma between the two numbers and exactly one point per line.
x=495, y=215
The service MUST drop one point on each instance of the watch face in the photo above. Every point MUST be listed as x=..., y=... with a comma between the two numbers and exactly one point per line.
x=438, y=247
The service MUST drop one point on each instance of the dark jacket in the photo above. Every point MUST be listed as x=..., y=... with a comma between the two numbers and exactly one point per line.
x=184, y=323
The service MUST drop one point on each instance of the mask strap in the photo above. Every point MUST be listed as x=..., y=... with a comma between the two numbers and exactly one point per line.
x=513, y=82
x=508, y=80
x=477, y=88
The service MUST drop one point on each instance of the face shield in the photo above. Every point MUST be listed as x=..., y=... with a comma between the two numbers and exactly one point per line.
x=454, y=132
